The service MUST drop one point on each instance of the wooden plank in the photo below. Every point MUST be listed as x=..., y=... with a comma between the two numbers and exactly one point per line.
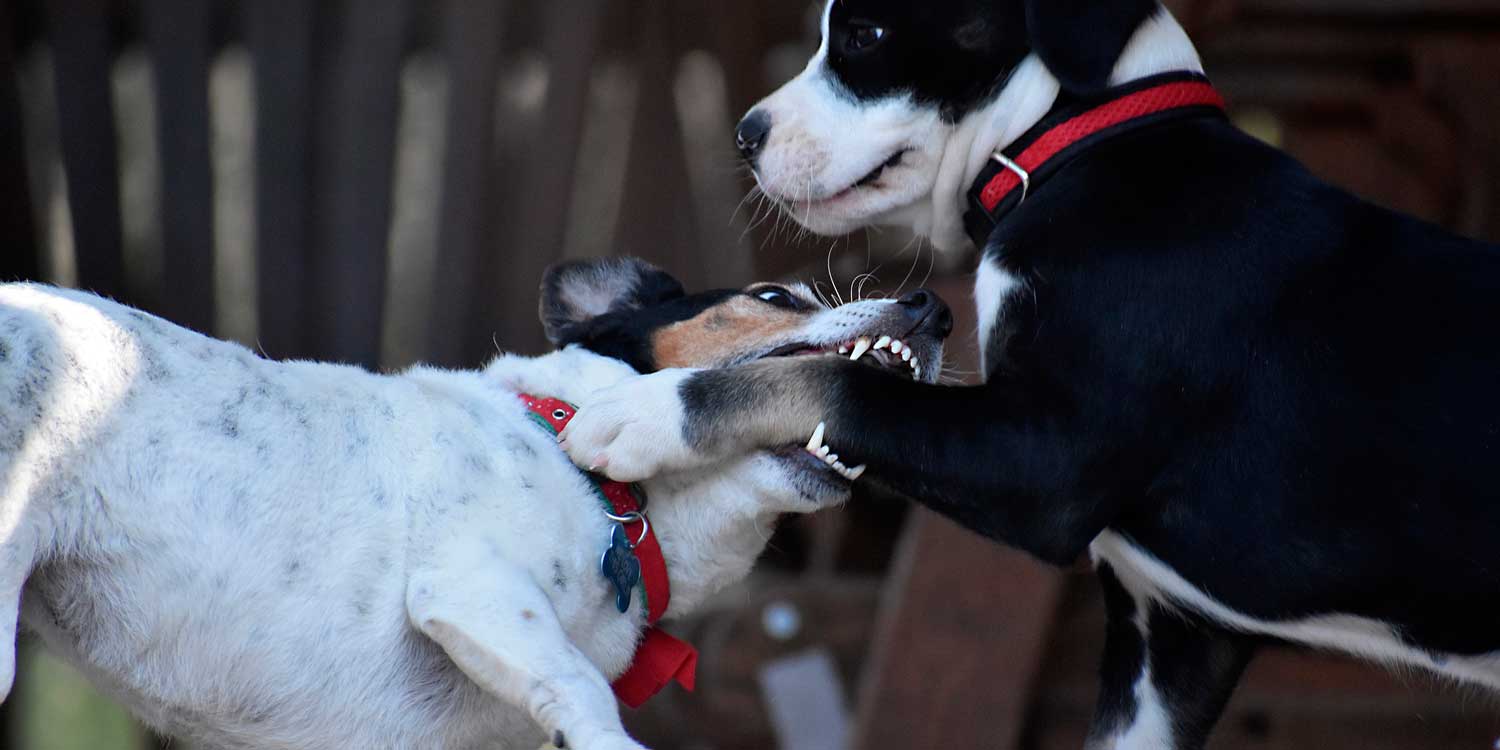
x=280, y=38
x=177, y=38
x=570, y=39
x=655, y=222
x=22, y=257
x=471, y=39
x=356, y=141
x=959, y=642
x=79, y=31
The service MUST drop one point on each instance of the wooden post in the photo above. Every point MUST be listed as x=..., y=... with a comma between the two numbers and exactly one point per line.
x=958, y=644
x=177, y=34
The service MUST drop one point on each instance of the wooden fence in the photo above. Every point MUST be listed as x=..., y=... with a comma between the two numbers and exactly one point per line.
x=586, y=126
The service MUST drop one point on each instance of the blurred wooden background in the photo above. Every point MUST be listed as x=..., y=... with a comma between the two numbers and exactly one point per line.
x=382, y=181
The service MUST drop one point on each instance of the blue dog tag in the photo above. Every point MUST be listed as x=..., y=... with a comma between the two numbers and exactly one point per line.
x=620, y=566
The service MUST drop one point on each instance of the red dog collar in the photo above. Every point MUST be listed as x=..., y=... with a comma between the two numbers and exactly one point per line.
x=1069, y=130
x=660, y=658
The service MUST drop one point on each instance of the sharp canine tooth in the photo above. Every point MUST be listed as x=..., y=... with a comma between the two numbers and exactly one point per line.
x=822, y=452
x=817, y=438
x=860, y=347
x=882, y=342
x=856, y=472
x=897, y=346
x=906, y=354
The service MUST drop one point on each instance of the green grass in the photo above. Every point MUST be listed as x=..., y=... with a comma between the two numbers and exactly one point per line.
x=59, y=710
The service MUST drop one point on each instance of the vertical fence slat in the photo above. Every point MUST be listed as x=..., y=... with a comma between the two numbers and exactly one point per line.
x=356, y=143
x=571, y=40
x=86, y=133
x=177, y=37
x=20, y=254
x=280, y=37
x=659, y=224
x=471, y=40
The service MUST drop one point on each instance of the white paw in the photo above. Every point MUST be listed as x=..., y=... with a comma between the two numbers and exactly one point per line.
x=632, y=430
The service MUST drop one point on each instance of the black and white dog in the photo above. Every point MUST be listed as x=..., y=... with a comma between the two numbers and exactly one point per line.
x=1267, y=409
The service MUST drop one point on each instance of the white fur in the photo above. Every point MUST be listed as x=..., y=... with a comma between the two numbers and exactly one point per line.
x=821, y=143
x=1145, y=576
x=256, y=554
x=993, y=286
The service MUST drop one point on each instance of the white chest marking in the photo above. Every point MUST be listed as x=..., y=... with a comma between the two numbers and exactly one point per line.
x=992, y=285
x=1144, y=575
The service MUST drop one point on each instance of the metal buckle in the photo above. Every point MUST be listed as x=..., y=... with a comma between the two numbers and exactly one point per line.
x=1008, y=163
x=631, y=517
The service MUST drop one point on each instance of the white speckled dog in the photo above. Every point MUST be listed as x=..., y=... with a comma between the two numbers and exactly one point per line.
x=259, y=554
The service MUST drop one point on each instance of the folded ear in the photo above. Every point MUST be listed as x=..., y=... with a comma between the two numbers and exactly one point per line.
x=1080, y=40
x=577, y=291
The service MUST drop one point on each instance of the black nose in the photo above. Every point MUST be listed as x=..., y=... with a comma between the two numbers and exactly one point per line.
x=750, y=137
x=929, y=311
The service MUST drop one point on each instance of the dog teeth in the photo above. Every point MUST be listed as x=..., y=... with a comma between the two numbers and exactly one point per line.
x=817, y=439
x=882, y=342
x=906, y=354
x=816, y=447
x=897, y=346
x=843, y=348
x=860, y=347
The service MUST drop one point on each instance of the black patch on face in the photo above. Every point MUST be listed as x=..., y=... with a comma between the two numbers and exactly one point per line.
x=957, y=55
x=952, y=55
x=626, y=335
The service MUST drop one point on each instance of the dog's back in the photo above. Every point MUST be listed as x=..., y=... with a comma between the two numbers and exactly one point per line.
x=220, y=487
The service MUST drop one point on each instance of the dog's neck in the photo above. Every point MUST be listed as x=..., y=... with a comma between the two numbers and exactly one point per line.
x=711, y=524
x=1160, y=45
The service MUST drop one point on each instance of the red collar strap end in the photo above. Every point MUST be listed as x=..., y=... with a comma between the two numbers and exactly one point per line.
x=659, y=658
x=1010, y=176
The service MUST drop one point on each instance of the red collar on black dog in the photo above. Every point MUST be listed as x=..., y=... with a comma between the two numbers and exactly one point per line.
x=660, y=658
x=1073, y=127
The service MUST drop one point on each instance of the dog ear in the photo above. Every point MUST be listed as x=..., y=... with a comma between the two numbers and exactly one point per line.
x=1080, y=40
x=577, y=291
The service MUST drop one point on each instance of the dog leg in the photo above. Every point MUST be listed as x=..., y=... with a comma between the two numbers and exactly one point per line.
x=1166, y=676
x=15, y=565
x=501, y=630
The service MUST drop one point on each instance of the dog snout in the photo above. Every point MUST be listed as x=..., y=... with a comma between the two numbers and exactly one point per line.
x=930, y=314
x=751, y=134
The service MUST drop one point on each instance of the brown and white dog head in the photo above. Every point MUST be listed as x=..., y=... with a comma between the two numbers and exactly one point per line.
x=629, y=310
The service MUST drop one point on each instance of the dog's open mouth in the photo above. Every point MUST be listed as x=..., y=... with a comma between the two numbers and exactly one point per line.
x=868, y=180
x=883, y=352
x=876, y=173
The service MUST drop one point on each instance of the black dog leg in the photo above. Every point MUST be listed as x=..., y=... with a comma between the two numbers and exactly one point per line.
x=1166, y=675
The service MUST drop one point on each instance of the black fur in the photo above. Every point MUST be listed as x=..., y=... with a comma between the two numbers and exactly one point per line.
x=1286, y=394
x=956, y=55
x=630, y=300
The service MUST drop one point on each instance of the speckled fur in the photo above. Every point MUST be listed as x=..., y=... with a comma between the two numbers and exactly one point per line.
x=255, y=554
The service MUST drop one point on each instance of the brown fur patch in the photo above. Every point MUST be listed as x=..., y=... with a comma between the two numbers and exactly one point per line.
x=724, y=333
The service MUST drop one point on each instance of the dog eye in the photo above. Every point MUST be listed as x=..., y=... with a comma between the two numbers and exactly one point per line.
x=862, y=38
x=778, y=297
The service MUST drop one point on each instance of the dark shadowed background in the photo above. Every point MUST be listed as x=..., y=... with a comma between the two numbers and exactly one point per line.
x=383, y=181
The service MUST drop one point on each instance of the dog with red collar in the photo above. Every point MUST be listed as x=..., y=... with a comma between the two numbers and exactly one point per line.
x=1267, y=409
x=259, y=554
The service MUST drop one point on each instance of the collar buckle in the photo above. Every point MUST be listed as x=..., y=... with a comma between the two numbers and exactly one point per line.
x=1009, y=163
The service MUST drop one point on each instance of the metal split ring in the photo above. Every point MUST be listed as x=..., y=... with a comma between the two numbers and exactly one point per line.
x=632, y=517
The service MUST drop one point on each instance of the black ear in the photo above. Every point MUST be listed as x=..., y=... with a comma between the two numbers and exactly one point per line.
x=577, y=291
x=1080, y=40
